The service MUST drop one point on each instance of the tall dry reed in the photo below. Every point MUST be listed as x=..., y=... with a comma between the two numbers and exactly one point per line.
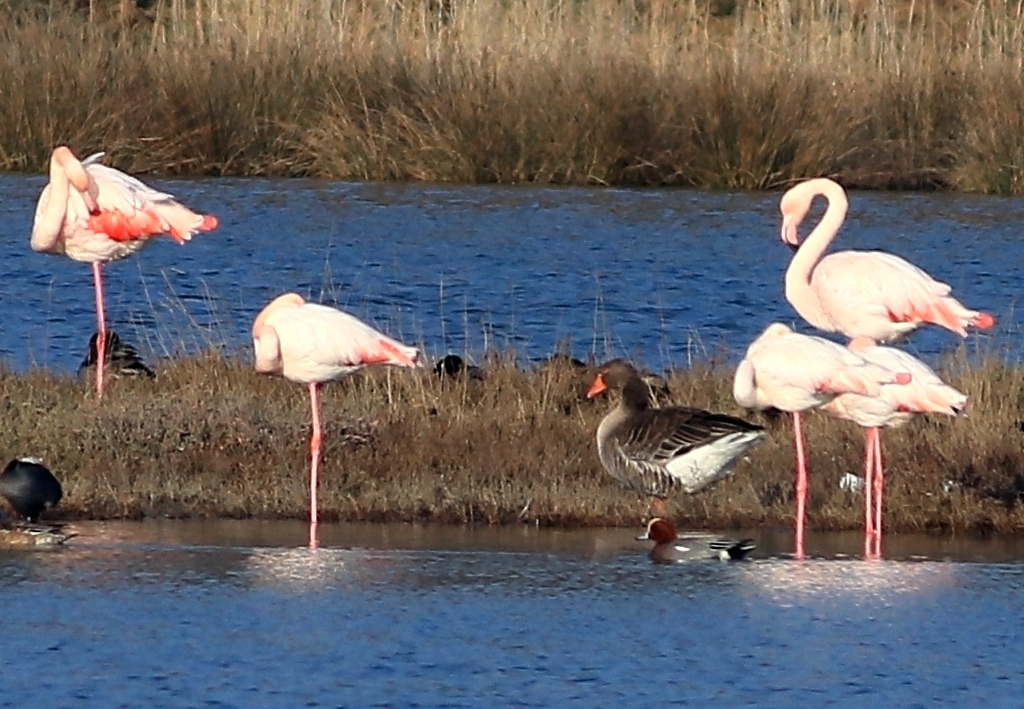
x=917, y=93
x=209, y=437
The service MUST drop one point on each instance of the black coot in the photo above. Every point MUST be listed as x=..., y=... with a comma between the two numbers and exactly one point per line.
x=30, y=487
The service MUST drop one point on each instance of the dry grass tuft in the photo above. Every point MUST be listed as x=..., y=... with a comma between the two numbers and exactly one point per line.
x=210, y=438
x=709, y=94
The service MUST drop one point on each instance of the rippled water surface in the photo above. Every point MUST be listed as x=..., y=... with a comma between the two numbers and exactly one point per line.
x=233, y=614
x=241, y=615
x=658, y=275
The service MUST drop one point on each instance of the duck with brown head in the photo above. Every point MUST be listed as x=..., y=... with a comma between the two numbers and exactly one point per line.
x=670, y=548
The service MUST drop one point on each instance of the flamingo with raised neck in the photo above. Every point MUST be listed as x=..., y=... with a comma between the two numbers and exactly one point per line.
x=860, y=293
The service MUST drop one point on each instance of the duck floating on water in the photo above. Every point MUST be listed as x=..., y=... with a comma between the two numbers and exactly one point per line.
x=670, y=548
x=26, y=535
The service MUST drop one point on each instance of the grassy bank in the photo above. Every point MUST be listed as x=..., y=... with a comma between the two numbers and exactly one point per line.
x=209, y=437
x=704, y=93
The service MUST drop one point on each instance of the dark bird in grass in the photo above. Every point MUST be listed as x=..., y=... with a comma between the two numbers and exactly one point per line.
x=454, y=366
x=561, y=359
x=122, y=359
x=30, y=487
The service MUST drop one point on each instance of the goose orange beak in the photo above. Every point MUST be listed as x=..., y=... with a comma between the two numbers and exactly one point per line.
x=597, y=387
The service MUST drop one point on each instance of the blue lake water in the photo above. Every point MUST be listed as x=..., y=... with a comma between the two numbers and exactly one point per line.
x=238, y=614
x=661, y=276
x=231, y=614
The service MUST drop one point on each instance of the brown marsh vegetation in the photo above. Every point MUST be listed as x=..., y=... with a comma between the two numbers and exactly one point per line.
x=742, y=94
x=209, y=437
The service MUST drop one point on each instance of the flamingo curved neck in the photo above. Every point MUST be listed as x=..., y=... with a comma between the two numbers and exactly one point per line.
x=267, y=346
x=52, y=209
x=799, y=291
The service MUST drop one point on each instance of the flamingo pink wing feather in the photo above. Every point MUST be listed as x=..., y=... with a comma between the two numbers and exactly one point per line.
x=926, y=393
x=866, y=292
x=130, y=209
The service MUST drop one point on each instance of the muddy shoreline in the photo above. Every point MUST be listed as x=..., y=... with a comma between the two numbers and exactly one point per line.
x=209, y=438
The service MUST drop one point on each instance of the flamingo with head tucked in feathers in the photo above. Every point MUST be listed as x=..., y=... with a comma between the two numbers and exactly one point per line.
x=96, y=214
x=311, y=344
x=893, y=405
x=791, y=372
x=861, y=293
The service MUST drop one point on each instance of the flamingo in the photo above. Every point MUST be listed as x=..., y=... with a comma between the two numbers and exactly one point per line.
x=96, y=214
x=792, y=372
x=658, y=451
x=892, y=406
x=861, y=293
x=311, y=344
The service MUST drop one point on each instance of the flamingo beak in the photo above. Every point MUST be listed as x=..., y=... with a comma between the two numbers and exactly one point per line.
x=597, y=387
x=789, y=233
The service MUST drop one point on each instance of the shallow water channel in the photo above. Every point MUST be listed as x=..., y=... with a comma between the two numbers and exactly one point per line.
x=662, y=276
x=240, y=614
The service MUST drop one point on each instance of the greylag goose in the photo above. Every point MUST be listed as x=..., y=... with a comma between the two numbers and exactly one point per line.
x=658, y=451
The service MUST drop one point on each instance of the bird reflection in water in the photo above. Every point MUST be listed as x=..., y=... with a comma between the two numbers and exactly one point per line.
x=785, y=581
x=297, y=569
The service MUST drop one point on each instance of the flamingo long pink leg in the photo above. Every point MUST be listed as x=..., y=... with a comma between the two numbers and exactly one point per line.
x=801, y=484
x=101, y=324
x=879, y=484
x=869, y=472
x=314, y=454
